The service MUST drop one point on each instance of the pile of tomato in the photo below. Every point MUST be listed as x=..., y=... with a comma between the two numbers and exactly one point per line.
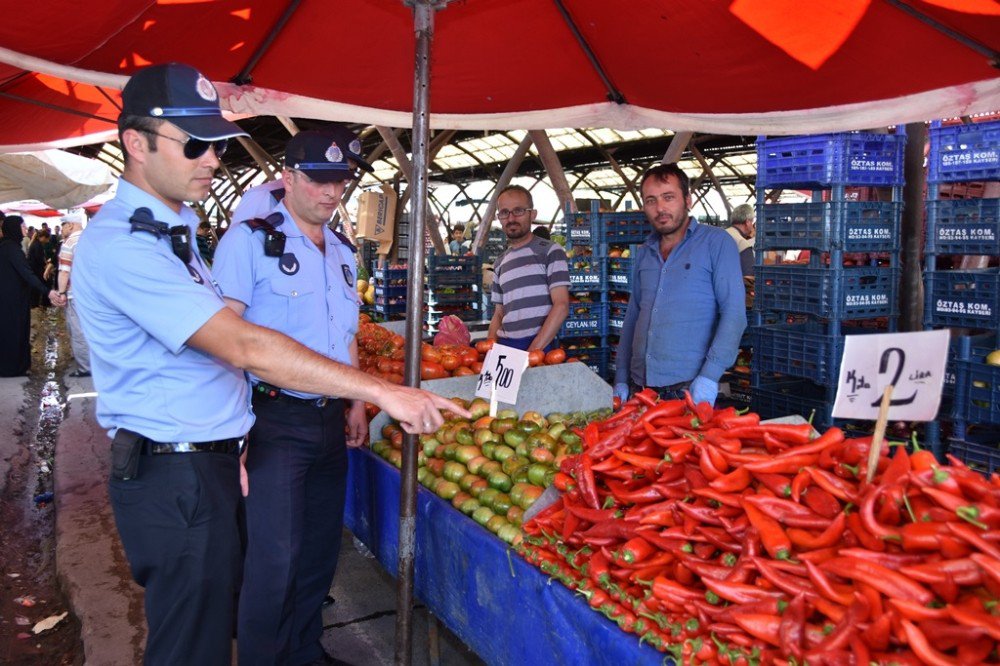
x=722, y=539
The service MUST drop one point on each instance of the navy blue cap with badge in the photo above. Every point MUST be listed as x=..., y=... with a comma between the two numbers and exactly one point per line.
x=182, y=95
x=326, y=155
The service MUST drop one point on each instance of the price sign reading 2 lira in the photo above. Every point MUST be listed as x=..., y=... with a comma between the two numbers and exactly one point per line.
x=501, y=374
x=913, y=363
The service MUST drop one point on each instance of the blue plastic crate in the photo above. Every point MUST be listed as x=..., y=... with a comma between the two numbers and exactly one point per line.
x=963, y=226
x=458, y=297
x=834, y=293
x=581, y=228
x=587, y=274
x=979, y=449
x=619, y=273
x=390, y=276
x=585, y=320
x=625, y=228
x=852, y=226
x=776, y=398
x=824, y=160
x=800, y=350
x=394, y=291
x=964, y=299
x=964, y=152
x=977, y=390
x=595, y=358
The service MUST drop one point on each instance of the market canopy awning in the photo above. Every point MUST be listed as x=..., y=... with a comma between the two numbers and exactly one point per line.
x=733, y=66
x=53, y=177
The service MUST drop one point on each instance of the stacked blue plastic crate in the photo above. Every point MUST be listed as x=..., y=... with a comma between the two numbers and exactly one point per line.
x=796, y=361
x=454, y=286
x=599, y=282
x=390, y=293
x=967, y=299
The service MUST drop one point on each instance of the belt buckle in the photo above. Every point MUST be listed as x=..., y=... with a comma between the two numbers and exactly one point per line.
x=321, y=402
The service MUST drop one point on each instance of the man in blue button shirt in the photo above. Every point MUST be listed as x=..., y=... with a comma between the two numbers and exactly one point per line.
x=687, y=309
x=167, y=358
x=297, y=461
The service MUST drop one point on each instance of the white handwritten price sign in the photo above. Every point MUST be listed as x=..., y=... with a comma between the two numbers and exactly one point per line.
x=500, y=378
x=913, y=363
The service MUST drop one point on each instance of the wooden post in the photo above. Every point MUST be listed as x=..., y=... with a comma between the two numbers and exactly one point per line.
x=676, y=147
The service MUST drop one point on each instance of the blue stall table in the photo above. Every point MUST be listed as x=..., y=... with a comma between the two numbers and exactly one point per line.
x=503, y=608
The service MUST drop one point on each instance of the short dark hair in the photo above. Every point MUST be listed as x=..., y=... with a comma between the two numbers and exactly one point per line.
x=662, y=173
x=542, y=232
x=144, y=124
x=518, y=188
x=458, y=227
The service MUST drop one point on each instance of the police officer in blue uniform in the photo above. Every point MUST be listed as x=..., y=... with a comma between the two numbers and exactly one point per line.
x=298, y=459
x=168, y=359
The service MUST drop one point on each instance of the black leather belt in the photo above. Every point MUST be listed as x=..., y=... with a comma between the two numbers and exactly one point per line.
x=231, y=446
x=266, y=393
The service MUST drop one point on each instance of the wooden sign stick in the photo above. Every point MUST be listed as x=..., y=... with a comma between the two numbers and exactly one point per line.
x=880, y=424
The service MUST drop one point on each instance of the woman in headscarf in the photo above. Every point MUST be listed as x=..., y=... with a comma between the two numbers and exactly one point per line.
x=37, y=261
x=16, y=279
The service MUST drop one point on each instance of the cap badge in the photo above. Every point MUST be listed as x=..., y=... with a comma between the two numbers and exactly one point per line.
x=355, y=147
x=205, y=89
x=333, y=153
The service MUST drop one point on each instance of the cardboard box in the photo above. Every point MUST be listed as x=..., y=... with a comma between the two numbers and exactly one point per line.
x=377, y=215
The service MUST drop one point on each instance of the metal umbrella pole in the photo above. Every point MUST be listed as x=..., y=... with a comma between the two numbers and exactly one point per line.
x=423, y=18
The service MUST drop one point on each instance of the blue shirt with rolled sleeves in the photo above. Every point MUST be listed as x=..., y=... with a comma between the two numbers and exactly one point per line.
x=139, y=304
x=307, y=295
x=686, y=315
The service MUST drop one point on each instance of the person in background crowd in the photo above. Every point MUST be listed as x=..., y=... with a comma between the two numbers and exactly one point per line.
x=542, y=232
x=29, y=235
x=206, y=242
x=168, y=358
x=458, y=244
x=531, y=279
x=38, y=261
x=743, y=227
x=687, y=308
x=16, y=278
x=297, y=463
x=73, y=225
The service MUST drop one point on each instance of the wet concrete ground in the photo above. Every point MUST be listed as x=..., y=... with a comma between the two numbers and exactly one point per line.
x=359, y=625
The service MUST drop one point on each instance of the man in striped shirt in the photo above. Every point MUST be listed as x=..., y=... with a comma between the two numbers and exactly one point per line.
x=531, y=279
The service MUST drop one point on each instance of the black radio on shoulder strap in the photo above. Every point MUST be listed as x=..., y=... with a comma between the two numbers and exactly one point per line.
x=180, y=236
x=274, y=240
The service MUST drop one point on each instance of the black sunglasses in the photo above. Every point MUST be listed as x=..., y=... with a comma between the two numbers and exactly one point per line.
x=195, y=148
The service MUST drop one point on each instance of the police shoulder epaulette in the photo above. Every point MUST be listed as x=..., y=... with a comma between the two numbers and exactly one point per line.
x=268, y=223
x=345, y=240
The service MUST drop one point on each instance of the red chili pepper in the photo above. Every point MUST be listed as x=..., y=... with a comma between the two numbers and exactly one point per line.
x=975, y=651
x=702, y=514
x=588, y=514
x=991, y=567
x=833, y=484
x=965, y=571
x=646, y=463
x=844, y=630
x=563, y=482
x=818, y=556
x=665, y=408
x=641, y=495
x=706, y=465
x=607, y=442
x=972, y=618
x=750, y=419
x=646, y=396
x=775, y=541
x=793, y=585
x=922, y=648
x=635, y=550
x=837, y=593
x=588, y=486
x=923, y=536
x=791, y=630
x=784, y=465
x=669, y=590
x=804, y=540
x=739, y=593
x=613, y=528
x=890, y=560
x=968, y=534
x=890, y=583
x=787, y=512
x=868, y=516
x=776, y=483
x=726, y=499
x=799, y=483
x=733, y=482
x=911, y=610
x=717, y=538
x=570, y=524
x=608, y=464
x=862, y=534
x=678, y=453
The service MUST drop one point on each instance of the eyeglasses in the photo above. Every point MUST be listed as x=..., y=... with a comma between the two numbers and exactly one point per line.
x=195, y=148
x=504, y=213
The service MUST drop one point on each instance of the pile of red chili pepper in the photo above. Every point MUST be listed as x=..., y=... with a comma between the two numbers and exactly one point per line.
x=725, y=540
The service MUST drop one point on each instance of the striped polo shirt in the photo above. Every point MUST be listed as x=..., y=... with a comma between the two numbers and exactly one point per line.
x=522, y=280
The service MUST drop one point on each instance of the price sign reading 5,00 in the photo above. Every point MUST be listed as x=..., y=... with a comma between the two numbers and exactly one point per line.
x=501, y=374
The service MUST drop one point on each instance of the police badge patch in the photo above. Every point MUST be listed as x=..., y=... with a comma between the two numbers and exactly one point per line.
x=195, y=275
x=288, y=264
x=348, y=278
x=355, y=147
x=205, y=89
x=334, y=154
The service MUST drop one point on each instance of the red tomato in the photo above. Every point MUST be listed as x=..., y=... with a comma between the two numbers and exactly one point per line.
x=476, y=367
x=462, y=371
x=535, y=357
x=429, y=353
x=556, y=356
x=432, y=370
x=468, y=355
x=449, y=361
x=484, y=346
